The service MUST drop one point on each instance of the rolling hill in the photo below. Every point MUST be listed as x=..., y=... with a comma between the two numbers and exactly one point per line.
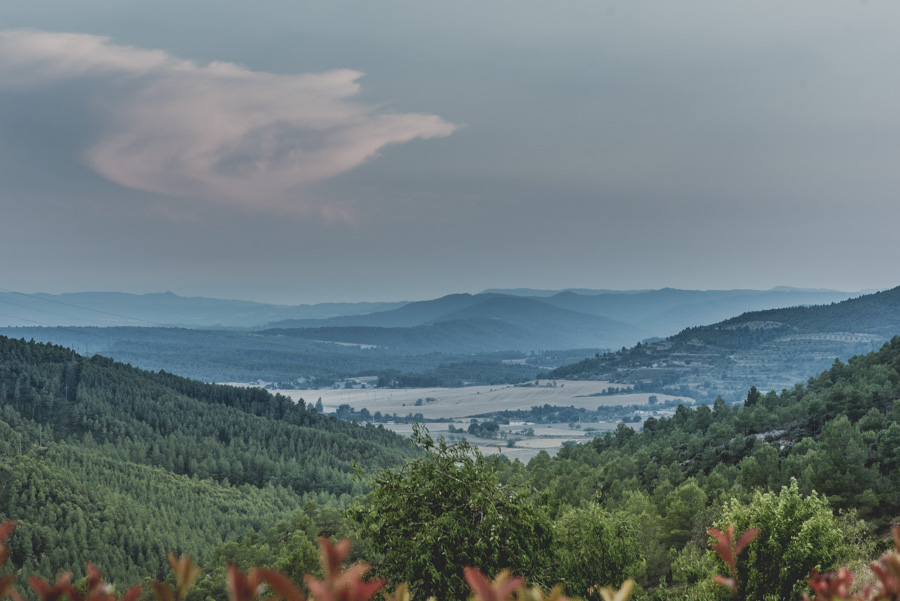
x=132, y=463
x=770, y=349
x=410, y=315
x=470, y=324
x=626, y=316
x=667, y=311
x=360, y=339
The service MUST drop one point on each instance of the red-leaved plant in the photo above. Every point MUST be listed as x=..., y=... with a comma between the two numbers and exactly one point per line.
x=887, y=571
x=828, y=586
x=6, y=583
x=338, y=584
x=341, y=585
x=835, y=586
x=729, y=549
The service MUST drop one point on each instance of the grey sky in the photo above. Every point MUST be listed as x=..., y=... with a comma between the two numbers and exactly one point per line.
x=638, y=144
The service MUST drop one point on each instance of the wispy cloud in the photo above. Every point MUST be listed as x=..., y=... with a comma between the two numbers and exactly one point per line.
x=216, y=131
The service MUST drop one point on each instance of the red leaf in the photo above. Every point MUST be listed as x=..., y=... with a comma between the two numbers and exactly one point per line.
x=333, y=556
x=728, y=582
x=281, y=584
x=240, y=587
x=55, y=592
x=133, y=593
x=500, y=589
x=6, y=585
x=888, y=584
x=319, y=589
x=831, y=586
x=723, y=548
x=346, y=579
x=94, y=579
x=746, y=538
x=163, y=593
x=363, y=591
x=6, y=529
x=479, y=584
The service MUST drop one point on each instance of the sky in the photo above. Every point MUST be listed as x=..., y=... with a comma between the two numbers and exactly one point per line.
x=297, y=152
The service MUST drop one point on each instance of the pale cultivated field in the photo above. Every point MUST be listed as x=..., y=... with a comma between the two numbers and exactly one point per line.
x=471, y=400
x=547, y=437
x=460, y=404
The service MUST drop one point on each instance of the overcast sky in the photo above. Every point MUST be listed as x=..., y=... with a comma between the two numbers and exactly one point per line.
x=291, y=151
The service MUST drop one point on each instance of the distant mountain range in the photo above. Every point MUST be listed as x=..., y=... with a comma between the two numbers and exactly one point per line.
x=667, y=311
x=567, y=319
x=277, y=342
x=648, y=312
x=466, y=323
x=771, y=349
x=104, y=309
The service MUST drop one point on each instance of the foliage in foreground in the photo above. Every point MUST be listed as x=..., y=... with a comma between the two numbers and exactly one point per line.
x=830, y=586
x=338, y=584
x=448, y=509
x=838, y=435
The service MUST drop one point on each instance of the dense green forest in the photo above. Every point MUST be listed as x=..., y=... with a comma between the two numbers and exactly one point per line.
x=132, y=463
x=135, y=463
x=814, y=467
x=836, y=438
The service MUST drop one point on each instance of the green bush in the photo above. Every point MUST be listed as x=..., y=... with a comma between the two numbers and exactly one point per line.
x=594, y=547
x=447, y=510
x=798, y=533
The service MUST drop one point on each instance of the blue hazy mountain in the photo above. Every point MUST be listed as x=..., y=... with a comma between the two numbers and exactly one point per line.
x=160, y=309
x=466, y=323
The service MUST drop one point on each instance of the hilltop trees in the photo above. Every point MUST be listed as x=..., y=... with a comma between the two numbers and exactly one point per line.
x=798, y=533
x=594, y=547
x=447, y=510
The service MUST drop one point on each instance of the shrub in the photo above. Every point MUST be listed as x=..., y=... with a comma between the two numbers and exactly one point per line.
x=799, y=533
x=447, y=510
x=594, y=547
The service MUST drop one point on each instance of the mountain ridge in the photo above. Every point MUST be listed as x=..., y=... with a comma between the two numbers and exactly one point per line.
x=105, y=309
x=770, y=349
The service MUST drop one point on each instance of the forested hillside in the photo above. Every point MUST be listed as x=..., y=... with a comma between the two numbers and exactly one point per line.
x=837, y=436
x=140, y=463
x=293, y=361
x=130, y=463
x=768, y=349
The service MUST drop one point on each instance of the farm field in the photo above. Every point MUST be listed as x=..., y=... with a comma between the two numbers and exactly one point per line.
x=470, y=400
x=461, y=404
x=546, y=437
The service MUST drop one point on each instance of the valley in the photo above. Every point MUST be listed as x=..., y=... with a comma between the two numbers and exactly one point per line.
x=449, y=301
x=635, y=435
x=457, y=407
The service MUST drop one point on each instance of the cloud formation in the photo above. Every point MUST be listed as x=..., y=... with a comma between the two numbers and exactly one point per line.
x=217, y=131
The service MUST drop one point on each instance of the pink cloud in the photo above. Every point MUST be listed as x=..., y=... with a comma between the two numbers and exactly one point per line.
x=217, y=131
